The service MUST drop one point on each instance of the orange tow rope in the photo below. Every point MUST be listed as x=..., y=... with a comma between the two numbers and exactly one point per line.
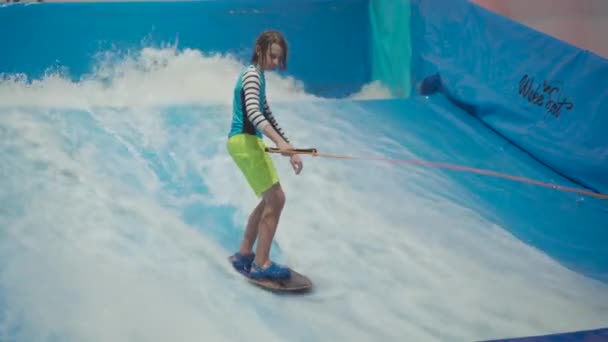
x=313, y=152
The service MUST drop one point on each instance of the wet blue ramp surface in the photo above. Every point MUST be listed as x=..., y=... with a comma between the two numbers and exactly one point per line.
x=598, y=335
x=575, y=235
x=142, y=203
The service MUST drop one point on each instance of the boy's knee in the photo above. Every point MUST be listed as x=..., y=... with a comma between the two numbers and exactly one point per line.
x=275, y=197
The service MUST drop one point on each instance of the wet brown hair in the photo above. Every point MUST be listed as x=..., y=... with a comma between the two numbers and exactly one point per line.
x=264, y=42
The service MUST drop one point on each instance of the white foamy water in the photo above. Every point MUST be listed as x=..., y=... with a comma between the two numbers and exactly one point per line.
x=96, y=178
x=148, y=78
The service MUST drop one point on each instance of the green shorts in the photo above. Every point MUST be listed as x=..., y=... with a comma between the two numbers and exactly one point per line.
x=248, y=153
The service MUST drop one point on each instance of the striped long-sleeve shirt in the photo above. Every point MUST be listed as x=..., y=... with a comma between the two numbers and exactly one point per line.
x=251, y=112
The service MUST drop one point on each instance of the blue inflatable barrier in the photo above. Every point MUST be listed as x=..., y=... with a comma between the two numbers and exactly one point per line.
x=596, y=335
x=545, y=96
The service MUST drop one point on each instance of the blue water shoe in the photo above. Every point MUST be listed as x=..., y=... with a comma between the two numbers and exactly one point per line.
x=272, y=272
x=242, y=262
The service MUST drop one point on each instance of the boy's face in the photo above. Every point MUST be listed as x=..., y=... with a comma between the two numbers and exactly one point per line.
x=273, y=57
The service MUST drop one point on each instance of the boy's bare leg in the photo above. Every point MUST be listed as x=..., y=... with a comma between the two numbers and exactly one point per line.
x=274, y=200
x=251, y=232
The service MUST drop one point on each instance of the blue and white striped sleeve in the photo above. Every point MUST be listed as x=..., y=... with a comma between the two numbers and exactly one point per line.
x=251, y=88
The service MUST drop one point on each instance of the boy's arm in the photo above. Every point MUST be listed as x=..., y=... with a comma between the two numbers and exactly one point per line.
x=273, y=121
x=251, y=88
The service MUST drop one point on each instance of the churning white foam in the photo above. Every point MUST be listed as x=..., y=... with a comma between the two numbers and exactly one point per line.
x=373, y=91
x=150, y=77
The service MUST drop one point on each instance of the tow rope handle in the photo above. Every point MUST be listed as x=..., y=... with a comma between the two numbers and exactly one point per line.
x=311, y=151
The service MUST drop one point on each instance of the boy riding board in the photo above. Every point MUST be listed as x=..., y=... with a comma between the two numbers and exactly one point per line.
x=251, y=118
